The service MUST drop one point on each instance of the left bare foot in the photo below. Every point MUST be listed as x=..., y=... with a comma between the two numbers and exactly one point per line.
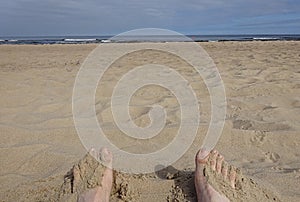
x=99, y=194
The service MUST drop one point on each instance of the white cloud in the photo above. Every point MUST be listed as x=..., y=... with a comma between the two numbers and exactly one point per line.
x=114, y=16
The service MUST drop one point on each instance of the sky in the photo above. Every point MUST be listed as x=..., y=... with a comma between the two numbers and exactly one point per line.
x=110, y=17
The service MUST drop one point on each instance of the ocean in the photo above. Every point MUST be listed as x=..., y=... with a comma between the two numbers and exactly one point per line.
x=152, y=38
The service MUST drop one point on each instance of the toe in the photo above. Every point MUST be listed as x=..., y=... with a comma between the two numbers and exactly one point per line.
x=202, y=156
x=225, y=170
x=76, y=178
x=107, y=179
x=213, y=160
x=106, y=156
x=232, y=176
x=220, y=160
x=200, y=161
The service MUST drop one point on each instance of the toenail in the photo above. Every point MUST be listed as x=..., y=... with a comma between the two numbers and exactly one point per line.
x=105, y=155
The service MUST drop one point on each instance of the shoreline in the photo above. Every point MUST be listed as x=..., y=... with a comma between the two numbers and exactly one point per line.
x=145, y=39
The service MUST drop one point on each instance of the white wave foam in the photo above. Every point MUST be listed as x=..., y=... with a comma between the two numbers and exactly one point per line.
x=79, y=40
x=105, y=41
x=264, y=38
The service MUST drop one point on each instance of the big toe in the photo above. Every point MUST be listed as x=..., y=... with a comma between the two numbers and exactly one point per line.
x=107, y=180
x=106, y=156
x=202, y=157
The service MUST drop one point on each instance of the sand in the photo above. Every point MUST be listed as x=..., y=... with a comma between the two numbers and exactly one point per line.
x=39, y=143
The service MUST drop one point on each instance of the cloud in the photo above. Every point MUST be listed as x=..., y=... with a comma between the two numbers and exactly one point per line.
x=56, y=17
x=269, y=20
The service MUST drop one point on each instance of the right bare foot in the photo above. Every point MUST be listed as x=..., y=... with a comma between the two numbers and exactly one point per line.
x=205, y=192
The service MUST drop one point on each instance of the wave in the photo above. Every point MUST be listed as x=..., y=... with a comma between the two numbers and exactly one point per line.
x=265, y=38
x=79, y=40
x=108, y=39
x=105, y=41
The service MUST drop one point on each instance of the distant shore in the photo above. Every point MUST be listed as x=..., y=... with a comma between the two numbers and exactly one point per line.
x=135, y=39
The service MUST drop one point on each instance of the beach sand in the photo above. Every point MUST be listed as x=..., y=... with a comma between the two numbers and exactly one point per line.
x=261, y=136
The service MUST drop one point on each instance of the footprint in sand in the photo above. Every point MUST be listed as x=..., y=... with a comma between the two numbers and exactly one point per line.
x=272, y=157
x=242, y=124
x=296, y=104
x=258, y=138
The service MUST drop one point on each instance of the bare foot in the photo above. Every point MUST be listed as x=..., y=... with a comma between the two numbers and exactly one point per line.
x=205, y=192
x=100, y=194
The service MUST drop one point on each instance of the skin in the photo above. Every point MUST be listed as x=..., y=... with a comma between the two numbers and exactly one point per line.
x=100, y=194
x=205, y=192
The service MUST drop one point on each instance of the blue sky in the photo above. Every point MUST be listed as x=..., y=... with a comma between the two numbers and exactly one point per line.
x=109, y=17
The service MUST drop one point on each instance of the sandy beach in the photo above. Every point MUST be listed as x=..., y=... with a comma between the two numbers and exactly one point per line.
x=39, y=142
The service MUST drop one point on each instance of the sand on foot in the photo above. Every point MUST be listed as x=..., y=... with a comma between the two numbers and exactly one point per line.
x=216, y=180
